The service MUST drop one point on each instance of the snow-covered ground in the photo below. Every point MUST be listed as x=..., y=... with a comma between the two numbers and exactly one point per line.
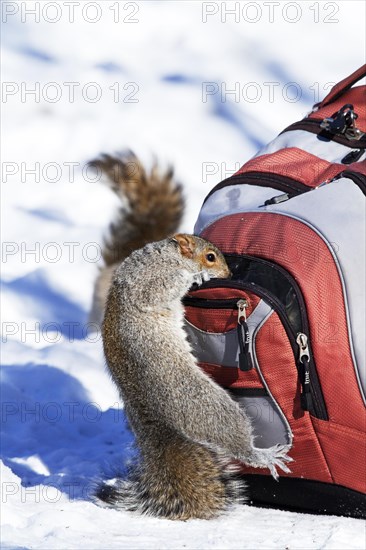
x=198, y=87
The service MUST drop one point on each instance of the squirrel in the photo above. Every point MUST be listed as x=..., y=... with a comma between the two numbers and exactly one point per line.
x=188, y=430
x=152, y=207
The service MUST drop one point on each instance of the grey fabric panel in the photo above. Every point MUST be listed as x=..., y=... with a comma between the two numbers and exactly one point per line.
x=223, y=348
x=219, y=349
x=230, y=200
x=268, y=425
x=309, y=142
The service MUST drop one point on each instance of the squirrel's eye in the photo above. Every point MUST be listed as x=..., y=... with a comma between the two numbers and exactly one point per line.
x=210, y=257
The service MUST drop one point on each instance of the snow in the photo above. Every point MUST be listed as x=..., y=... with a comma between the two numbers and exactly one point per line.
x=63, y=423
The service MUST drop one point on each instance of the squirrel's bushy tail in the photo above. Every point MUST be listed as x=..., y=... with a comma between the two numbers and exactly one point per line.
x=152, y=204
x=152, y=207
x=182, y=480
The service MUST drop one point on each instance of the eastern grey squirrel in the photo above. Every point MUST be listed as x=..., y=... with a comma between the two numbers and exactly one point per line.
x=188, y=429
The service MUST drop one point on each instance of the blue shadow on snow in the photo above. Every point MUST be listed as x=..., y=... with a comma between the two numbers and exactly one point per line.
x=50, y=306
x=47, y=414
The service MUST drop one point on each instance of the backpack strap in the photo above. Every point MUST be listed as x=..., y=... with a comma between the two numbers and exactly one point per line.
x=342, y=86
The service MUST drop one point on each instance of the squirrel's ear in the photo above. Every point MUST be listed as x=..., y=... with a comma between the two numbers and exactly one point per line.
x=185, y=243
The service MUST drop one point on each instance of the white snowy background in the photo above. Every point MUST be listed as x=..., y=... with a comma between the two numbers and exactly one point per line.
x=81, y=78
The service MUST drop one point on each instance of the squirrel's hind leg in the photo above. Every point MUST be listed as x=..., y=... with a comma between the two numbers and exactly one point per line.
x=181, y=480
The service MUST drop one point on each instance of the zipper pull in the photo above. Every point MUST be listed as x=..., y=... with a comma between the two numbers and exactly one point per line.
x=245, y=359
x=277, y=199
x=353, y=156
x=304, y=362
x=242, y=310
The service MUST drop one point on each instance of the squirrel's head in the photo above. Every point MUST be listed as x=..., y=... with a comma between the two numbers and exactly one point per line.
x=205, y=256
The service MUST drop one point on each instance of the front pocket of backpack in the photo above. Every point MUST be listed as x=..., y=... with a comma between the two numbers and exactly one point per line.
x=213, y=332
x=216, y=335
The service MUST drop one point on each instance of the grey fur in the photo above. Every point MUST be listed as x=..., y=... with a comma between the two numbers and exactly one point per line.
x=174, y=408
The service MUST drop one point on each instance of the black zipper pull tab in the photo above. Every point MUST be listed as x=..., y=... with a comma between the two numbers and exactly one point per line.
x=353, y=156
x=277, y=200
x=245, y=358
x=304, y=362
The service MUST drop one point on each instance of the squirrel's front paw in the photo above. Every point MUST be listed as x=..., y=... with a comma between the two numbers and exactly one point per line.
x=270, y=458
x=201, y=277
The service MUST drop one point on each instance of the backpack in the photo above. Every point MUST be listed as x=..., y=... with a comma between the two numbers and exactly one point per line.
x=286, y=334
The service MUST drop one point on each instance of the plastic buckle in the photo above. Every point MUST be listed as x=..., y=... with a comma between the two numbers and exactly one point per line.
x=343, y=122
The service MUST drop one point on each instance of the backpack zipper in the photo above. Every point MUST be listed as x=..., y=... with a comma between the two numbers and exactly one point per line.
x=304, y=359
x=205, y=303
x=288, y=185
x=233, y=303
x=358, y=178
x=313, y=401
x=304, y=328
x=291, y=188
x=245, y=357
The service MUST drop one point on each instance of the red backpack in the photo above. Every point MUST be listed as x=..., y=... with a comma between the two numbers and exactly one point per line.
x=286, y=335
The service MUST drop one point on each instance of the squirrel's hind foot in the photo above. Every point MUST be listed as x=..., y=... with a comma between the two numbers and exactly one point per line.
x=212, y=490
